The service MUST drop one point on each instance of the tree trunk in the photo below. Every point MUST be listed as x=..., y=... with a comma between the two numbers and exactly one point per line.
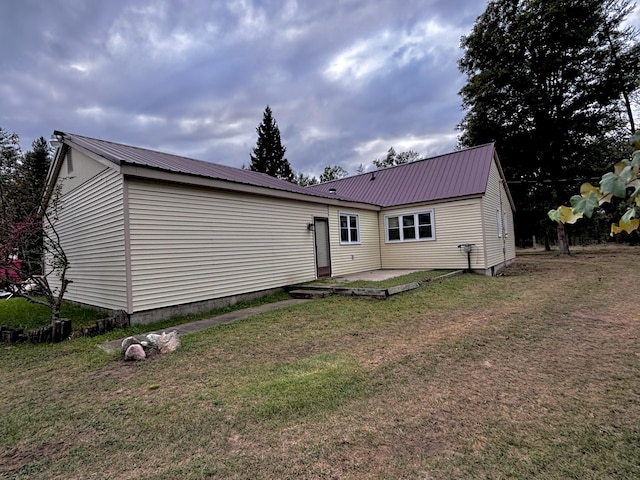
x=547, y=246
x=563, y=243
x=55, y=312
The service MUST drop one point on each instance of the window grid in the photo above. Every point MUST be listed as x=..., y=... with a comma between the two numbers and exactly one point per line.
x=349, y=228
x=410, y=227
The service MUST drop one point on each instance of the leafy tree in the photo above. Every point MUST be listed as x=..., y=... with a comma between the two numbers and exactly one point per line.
x=268, y=155
x=30, y=249
x=304, y=180
x=622, y=183
x=394, y=158
x=542, y=82
x=16, y=251
x=333, y=173
x=29, y=184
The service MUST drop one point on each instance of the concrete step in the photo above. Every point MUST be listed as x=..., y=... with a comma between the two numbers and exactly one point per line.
x=309, y=293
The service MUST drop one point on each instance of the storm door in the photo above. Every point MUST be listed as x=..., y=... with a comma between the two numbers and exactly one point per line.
x=323, y=255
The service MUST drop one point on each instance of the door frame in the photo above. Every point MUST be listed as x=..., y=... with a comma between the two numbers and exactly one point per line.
x=322, y=271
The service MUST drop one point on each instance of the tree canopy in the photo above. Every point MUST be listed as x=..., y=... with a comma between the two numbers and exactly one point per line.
x=543, y=83
x=304, y=180
x=622, y=183
x=394, y=158
x=268, y=155
x=30, y=249
x=333, y=173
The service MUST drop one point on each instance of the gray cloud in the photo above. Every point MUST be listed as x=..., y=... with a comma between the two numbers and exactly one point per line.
x=346, y=80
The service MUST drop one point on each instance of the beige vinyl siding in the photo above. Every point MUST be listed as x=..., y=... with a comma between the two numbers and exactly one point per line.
x=191, y=244
x=498, y=249
x=353, y=258
x=455, y=222
x=83, y=166
x=91, y=229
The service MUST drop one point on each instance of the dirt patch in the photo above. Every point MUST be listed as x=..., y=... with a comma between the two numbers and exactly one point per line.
x=18, y=458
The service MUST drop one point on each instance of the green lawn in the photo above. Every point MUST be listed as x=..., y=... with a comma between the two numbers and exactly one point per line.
x=19, y=313
x=534, y=374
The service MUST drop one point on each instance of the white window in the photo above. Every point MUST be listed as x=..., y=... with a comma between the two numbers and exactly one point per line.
x=349, y=228
x=410, y=227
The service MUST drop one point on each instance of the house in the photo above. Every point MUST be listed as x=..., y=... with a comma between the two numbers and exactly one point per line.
x=157, y=234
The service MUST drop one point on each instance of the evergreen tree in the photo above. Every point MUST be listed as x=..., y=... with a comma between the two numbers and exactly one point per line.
x=10, y=156
x=268, y=155
x=31, y=176
x=304, y=180
x=542, y=83
x=30, y=179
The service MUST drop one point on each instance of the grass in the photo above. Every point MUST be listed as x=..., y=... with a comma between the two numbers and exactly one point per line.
x=18, y=313
x=535, y=374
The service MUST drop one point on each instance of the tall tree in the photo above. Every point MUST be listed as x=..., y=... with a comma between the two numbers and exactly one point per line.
x=304, y=180
x=333, y=173
x=542, y=84
x=31, y=176
x=30, y=179
x=268, y=155
x=10, y=155
x=394, y=158
x=30, y=248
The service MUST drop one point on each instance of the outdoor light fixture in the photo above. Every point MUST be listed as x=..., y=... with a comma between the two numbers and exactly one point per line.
x=311, y=227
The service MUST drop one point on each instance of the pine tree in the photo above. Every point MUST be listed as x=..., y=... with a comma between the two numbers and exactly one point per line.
x=31, y=176
x=30, y=179
x=10, y=156
x=268, y=155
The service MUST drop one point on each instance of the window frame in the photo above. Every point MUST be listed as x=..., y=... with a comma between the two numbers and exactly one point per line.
x=416, y=226
x=349, y=216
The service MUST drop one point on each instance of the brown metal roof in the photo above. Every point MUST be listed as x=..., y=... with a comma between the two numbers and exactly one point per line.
x=120, y=154
x=457, y=174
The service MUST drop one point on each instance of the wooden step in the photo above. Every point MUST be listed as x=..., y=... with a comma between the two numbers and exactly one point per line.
x=309, y=293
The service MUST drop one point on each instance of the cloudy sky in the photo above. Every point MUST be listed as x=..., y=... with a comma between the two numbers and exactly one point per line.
x=345, y=79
